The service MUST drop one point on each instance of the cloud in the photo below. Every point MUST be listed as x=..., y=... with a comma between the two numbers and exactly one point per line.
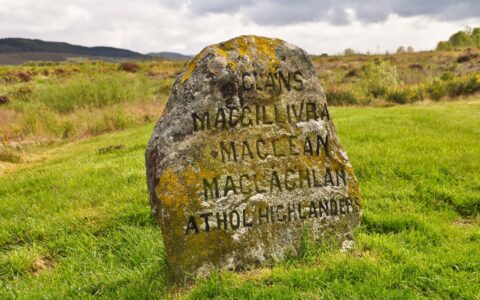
x=283, y=12
x=324, y=26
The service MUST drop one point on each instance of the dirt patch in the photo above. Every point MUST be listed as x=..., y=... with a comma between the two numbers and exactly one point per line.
x=3, y=99
x=110, y=149
x=418, y=67
x=352, y=73
x=464, y=222
x=254, y=275
x=41, y=265
x=467, y=56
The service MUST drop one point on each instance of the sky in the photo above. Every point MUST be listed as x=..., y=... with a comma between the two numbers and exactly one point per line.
x=187, y=26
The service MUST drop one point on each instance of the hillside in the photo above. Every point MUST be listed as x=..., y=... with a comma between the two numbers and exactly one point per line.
x=16, y=45
x=15, y=51
x=18, y=50
x=170, y=55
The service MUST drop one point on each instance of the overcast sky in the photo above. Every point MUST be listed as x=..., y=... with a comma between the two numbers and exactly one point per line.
x=324, y=26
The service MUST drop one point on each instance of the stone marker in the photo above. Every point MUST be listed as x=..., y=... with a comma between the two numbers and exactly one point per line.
x=244, y=163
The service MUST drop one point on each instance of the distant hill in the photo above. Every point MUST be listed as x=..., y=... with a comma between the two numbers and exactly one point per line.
x=19, y=50
x=15, y=45
x=170, y=55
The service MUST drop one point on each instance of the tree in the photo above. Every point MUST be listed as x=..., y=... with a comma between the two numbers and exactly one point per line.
x=401, y=49
x=444, y=46
x=348, y=51
x=460, y=39
x=475, y=36
x=410, y=49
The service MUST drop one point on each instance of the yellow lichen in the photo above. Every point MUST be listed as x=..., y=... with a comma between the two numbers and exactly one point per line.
x=188, y=69
x=249, y=47
x=170, y=189
x=244, y=46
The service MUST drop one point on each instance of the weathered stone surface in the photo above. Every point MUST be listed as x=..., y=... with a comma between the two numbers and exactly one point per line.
x=244, y=163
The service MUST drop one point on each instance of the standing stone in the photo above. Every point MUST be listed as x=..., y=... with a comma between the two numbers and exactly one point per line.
x=244, y=163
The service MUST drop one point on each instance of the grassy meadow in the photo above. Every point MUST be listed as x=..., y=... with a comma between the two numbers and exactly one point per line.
x=48, y=102
x=52, y=102
x=75, y=220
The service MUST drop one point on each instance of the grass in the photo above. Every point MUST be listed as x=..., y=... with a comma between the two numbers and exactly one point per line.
x=77, y=224
x=66, y=101
x=400, y=78
x=50, y=102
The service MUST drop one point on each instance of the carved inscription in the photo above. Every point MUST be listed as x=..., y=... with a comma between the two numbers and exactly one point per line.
x=261, y=215
x=263, y=148
x=274, y=81
x=258, y=115
x=288, y=180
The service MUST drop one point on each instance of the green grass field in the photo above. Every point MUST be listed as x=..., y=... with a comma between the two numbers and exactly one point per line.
x=75, y=221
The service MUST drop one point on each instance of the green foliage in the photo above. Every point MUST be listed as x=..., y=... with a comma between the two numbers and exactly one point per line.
x=341, y=97
x=447, y=76
x=111, y=121
x=436, y=89
x=74, y=99
x=98, y=91
x=398, y=95
x=83, y=214
x=475, y=36
x=463, y=86
x=444, y=46
x=348, y=51
x=461, y=39
x=399, y=84
x=378, y=77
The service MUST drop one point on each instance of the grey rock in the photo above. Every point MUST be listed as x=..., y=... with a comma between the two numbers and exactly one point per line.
x=244, y=165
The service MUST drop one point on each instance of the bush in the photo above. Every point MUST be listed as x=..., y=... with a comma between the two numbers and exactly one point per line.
x=460, y=39
x=129, y=67
x=68, y=129
x=447, y=76
x=405, y=94
x=463, y=86
x=398, y=95
x=341, y=97
x=348, y=51
x=379, y=77
x=436, y=89
x=114, y=120
x=9, y=156
x=444, y=46
x=416, y=93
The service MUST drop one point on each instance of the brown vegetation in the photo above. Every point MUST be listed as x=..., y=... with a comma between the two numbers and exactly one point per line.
x=129, y=67
x=4, y=99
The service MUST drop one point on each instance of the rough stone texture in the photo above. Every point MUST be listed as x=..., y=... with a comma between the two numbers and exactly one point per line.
x=268, y=145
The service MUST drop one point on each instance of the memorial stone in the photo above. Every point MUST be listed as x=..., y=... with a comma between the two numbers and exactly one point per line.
x=244, y=164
